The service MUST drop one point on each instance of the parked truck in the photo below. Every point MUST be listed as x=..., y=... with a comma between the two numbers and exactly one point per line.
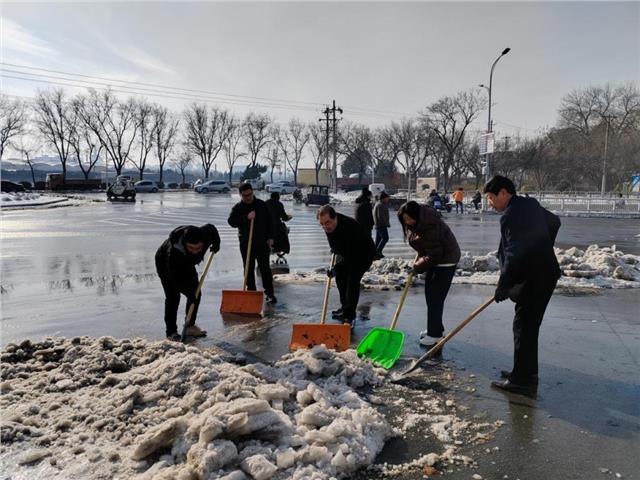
x=55, y=181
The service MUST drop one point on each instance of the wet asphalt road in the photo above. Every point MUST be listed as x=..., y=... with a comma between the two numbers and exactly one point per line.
x=89, y=271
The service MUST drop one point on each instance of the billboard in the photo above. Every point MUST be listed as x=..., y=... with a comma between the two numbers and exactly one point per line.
x=424, y=185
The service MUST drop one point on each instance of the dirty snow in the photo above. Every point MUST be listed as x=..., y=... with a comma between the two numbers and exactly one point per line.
x=36, y=200
x=106, y=408
x=595, y=267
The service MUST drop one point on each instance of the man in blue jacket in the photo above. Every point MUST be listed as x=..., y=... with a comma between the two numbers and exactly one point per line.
x=529, y=272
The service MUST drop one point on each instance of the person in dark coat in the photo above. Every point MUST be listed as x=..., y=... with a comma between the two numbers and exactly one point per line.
x=529, y=272
x=438, y=255
x=364, y=210
x=354, y=250
x=381, y=220
x=248, y=208
x=477, y=199
x=175, y=263
x=278, y=217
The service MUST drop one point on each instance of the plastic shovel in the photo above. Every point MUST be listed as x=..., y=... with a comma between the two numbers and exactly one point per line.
x=187, y=319
x=440, y=344
x=243, y=301
x=384, y=346
x=307, y=335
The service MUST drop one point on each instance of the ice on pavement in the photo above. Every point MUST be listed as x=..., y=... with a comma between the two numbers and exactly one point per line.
x=595, y=267
x=107, y=408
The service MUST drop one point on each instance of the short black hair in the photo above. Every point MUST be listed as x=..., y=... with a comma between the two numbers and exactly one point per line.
x=275, y=196
x=499, y=182
x=245, y=186
x=383, y=195
x=326, y=209
x=366, y=192
x=412, y=209
x=193, y=235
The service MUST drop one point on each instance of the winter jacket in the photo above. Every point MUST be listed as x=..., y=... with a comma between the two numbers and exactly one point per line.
x=263, y=227
x=351, y=241
x=364, y=212
x=381, y=215
x=458, y=195
x=278, y=217
x=432, y=238
x=175, y=264
x=527, y=234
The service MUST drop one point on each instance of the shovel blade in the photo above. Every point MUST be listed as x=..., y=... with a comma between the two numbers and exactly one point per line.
x=242, y=301
x=382, y=346
x=308, y=335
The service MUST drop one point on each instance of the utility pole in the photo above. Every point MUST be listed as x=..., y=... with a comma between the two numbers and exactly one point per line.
x=603, y=188
x=335, y=147
x=326, y=144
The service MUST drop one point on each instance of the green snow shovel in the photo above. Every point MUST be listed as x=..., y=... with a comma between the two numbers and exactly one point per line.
x=381, y=345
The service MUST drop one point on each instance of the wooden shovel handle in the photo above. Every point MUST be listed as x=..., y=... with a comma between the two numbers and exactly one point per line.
x=192, y=307
x=247, y=259
x=327, y=287
x=408, y=283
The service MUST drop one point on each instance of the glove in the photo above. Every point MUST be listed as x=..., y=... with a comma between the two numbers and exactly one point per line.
x=419, y=265
x=215, y=247
x=501, y=294
x=331, y=272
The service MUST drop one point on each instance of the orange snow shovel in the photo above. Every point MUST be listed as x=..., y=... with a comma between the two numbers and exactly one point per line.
x=308, y=335
x=187, y=319
x=243, y=301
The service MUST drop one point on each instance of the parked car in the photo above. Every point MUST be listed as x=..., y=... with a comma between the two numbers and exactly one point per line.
x=26, y=185
x=122, y=188
x=213, y=186
x=281, y=187
x=9, y=187
x=146, y=186
x=256, y=183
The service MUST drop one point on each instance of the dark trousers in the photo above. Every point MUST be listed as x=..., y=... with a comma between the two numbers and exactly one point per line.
x=461, y=205
x=348, y=281
x=436, y=287
x=382, y=237
x=172, y=299
x=477, y=205
x=526, y=327
x=260, y=254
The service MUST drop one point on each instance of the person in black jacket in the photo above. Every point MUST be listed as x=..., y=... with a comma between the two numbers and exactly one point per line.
x=175, y=263
x=354, y=250
x=364, y=210
x=529, y=272
x=278, y=217
x=248, y=208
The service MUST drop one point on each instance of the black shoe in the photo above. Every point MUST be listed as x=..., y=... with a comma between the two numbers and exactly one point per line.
x=174, y=337
x=349, y=321
x=272, y=299
x=335, y=313
x=529, y=390
x=506, y=374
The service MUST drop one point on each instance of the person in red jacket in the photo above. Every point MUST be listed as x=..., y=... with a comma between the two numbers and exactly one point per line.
x=438, y=256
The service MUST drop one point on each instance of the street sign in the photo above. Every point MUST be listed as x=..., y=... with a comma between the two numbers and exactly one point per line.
x=486, y=143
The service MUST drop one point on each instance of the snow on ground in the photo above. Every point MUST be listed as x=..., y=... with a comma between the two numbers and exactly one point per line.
x=595, y=267
x=33, y=200
x=107, y=408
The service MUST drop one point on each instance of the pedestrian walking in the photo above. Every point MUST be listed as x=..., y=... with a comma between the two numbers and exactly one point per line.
x=251, y=208
x=278, y=215
x=381, y=220
x=176, y=261
x=354, y=249
x=529, y=272
x=364, y=210
x=438, y=255
x=458, y=197
x=477, y=200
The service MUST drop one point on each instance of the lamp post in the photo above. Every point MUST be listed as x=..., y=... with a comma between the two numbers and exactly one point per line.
x=490, y=89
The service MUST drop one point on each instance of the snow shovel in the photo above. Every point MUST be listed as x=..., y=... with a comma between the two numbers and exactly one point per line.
x=243, y=301
x=381, y=345
x=307, y=335
x=187, y=319
x=440, y=344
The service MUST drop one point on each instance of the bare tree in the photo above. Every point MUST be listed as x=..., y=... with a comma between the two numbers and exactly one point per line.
x=354, y=143
x=273, y=149
x=85, y=144
x=319, y=148
x=12, y=120
x=182, y=163
x=292, y=142
x=55, y=121
x=114, y=122
x=164, y=132
x=144, y=119
x=450, y=117
x=257, y=134
x=207, y=129
x=413, y=144
x=232, y=152
x=383, y=152
x=27, y=146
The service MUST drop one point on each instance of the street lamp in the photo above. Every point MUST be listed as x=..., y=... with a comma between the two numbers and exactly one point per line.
x=489, y=89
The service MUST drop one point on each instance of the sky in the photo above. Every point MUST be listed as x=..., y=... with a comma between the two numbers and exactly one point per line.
x=379, y=61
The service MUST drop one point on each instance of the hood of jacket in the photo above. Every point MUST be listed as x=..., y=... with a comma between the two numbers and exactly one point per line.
x=428, y=218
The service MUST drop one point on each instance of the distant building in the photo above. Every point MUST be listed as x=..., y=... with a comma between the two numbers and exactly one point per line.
x=307, y=176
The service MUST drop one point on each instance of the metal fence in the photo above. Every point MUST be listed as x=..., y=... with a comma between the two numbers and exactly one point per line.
x=589, y=204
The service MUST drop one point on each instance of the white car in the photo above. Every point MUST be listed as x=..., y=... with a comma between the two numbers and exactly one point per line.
x=146, y=186
x=213, y=186
x=256, y=183
x=281, y=187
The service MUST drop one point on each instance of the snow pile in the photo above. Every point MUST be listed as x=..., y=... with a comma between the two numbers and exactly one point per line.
x=26, y=199
x=595, y=267
x=107, y=408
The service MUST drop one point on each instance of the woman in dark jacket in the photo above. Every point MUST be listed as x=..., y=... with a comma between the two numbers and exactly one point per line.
x=438, y=255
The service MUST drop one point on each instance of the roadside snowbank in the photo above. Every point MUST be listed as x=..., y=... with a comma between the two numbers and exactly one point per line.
x=28, y=199
x=595, y=267
x=106, y=408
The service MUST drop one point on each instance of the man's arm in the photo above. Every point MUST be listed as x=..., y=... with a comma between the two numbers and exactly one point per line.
x=236, y=218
